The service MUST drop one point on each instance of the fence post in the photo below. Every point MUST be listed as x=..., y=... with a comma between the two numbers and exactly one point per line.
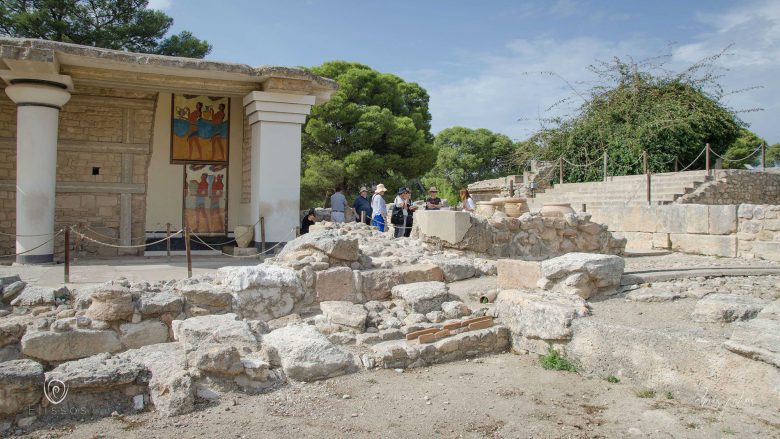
x=168, y=240
x=362, y=216
x=676, y=164
x=584, y=207
x=67, y=254
x=560, y=169
x=707, y=159
x=262, y=234
x=647, y=176
x=511, y=188
x=188, y=249
x=605, y=166
x=297, y=231
x=763, y=157
x=78, y=243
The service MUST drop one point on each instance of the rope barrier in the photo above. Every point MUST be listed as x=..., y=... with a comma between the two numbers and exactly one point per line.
x=736, y=160
x=694, y=161
x=28, y=236
x=198, y=238
x=251, y=229
x=83, y=236
x=36, y=247
x=582, y=166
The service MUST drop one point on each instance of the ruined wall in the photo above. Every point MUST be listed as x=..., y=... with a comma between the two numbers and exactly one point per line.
x=732, y=186
x=102, y=160
x=746, y=230
x=530, y=237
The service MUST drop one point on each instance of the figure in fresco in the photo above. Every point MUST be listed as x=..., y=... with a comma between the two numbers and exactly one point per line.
x=194, y=118
x=217, y=142
x=200, y=203
x=217, y=192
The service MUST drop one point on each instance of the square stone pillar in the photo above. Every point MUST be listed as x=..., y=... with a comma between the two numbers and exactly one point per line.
x=276, y=120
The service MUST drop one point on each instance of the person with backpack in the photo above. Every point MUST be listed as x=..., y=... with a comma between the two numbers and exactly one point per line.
x=379, y=208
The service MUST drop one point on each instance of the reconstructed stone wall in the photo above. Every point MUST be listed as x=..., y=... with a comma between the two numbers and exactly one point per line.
x=731, y=186
x=745, y=230
x=99, y=128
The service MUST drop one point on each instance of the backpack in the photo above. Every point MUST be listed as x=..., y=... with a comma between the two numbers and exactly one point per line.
x=397, y=218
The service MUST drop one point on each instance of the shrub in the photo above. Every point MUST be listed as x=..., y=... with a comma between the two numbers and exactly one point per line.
x=555, y=361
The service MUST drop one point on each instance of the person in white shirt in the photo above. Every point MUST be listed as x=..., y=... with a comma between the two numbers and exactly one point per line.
x=402, y=202
x=466, y=202
x=379, y=208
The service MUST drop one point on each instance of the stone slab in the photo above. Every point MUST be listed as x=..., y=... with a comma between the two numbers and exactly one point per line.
x=711, y=245
x=448, y=225
x=514, y=273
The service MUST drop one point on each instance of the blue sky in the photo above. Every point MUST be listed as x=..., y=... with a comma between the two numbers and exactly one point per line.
x=474, y=57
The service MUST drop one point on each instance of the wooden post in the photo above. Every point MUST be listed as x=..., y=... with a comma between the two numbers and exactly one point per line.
x=647, y=176
x=584, y=207
x=560, y=170
x=605, y=166
x=363, y=216
x=168, y=240
x=67, y=254
x=511, y=188
x=676, y=164
x=188, y=249
x=644, y=161
x=78, y=243
x=707, y=159
x=763, y=157
x=297, y=231
x=262, y=234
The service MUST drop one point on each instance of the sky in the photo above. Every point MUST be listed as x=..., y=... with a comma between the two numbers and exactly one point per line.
x=481, y=61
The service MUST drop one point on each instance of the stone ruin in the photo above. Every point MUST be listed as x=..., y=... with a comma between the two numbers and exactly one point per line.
x=341, y=299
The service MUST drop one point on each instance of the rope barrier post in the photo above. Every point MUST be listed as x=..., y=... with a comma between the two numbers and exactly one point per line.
x=362, y=216
x=168, y=240
x=676, y=164
x=584, y=207
x=77, y=247
x=67, y=254
x=647, y=175
x=605, y=166
x=298, y=231
x=511, y=188
x=188, y=249
x=707, y=159
x=763, y=157
x=560, y=170
x=262, y=234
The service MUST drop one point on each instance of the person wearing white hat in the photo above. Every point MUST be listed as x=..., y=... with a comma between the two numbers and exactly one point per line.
x=379, y=208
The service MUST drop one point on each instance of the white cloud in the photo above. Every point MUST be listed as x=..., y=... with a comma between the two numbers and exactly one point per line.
x=500, y=93
x=160, y=5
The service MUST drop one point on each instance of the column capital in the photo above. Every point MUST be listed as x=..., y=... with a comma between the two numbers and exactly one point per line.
x=263, y=106
x=38, y=93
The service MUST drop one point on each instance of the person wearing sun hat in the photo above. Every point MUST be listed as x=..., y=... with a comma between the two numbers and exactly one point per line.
x=433, y=202
x=379, y=208
x=362, y=206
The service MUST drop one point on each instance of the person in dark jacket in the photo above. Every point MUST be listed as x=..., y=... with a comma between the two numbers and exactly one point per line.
x=362, y=206
x=309, y=219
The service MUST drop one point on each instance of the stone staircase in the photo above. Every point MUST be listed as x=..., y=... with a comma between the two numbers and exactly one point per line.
x=621, y=191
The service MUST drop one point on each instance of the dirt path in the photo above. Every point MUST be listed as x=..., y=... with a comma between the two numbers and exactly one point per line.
x=504, y=396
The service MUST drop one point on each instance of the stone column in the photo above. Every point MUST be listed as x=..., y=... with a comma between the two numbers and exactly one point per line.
x=276, y=120
x=37, y=118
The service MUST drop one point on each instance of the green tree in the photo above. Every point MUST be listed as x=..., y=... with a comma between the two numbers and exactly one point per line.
x=744, y=150
x=773, y=155
x=465, y=156
x=375, y=129
x=639, y=107
x=111, y=24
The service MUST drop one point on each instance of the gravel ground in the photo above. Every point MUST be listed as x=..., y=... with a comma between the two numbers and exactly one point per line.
x=502, y=396
x=668, y=261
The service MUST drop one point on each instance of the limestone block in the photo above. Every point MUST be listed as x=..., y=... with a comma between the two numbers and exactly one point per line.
x=639, y=219
x=223, y=328
x=153, y=304
x=21, y=382
x=109, y=303
x=71, y=345
x=377, y=284
x=672, y=219
x=538, y=315
x=421, y=273
x=422, y=297
x=772, y=225
x=263, y=292
x=696, y=218
x=636, y=240
x=216, y=358
x=307, y=355
x=769, y=250
x=135, y=335
x=448, y=225
x=712, y=245
x=345, y=314
x=335, y=284
x=98, y=371
x=514, y=273
x=11, y=332
x=722, y=219
x=719, y=307
x=661, y=240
